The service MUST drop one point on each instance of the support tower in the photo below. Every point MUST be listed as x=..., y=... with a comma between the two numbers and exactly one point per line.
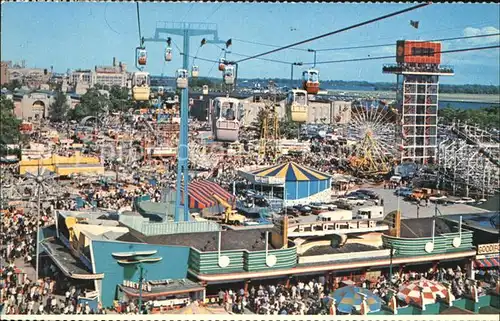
x=418, y=69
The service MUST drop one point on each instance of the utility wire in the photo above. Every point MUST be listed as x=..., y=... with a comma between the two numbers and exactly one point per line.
x=213, y=12
x=388, y=57
x=187, y=12
x=361, y=46
x=265, y=44
x=265, y=59
x=139, y=24
x=106, y=19
x=392, y=44
x=338, y=31
x=356, y=47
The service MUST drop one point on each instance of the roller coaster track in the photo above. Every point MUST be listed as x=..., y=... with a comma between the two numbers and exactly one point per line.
x=462, y=132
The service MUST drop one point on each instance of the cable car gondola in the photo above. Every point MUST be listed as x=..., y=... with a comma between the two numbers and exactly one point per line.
x=168, y=54
x=161, y=90
x=182, y=78
x=142, y=56
x=140, y=86
x=205, y=90
x=195, y=71
x=229, y=75
x=222, y=64
x=296, y=105
x=310, y=81
x=225, y=115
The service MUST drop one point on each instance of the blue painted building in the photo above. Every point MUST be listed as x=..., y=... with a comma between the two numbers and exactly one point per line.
x=173, y=265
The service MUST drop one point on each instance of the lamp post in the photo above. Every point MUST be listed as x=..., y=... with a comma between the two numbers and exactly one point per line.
x=141, y=277
x=291, y=73
x=391, y=255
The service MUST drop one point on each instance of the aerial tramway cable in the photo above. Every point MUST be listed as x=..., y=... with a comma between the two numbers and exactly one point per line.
x=139, y=24
x=388, y=57
x=337, y=31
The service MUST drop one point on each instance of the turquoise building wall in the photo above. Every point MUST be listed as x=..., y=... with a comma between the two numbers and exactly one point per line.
x=302, y=189
x=174, y=265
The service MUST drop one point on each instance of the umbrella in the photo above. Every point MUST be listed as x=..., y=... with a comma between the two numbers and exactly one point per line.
x=427, y=290
x=348, y=297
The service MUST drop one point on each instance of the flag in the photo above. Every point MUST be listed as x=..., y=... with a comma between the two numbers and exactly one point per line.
x=414, y=24
x=203, y=41
x=229, y=42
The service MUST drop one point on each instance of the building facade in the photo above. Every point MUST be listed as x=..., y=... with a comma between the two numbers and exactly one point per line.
x=4, y=72
x=418, y=72
x=115, y=75
x=33, y=78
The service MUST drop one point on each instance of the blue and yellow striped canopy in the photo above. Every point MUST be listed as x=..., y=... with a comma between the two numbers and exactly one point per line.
x=291, y=172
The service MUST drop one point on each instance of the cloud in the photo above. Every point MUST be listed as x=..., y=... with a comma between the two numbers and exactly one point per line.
x=470, y=31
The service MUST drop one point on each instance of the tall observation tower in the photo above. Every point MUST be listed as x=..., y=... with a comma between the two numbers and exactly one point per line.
x=418, y=69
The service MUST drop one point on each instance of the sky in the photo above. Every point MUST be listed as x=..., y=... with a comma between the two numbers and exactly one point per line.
x=83, y=35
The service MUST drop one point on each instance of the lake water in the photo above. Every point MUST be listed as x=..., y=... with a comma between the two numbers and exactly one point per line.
x=442, y=103
x=465, y=104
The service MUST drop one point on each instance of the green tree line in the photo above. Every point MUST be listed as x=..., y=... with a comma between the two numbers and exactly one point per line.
x=485, y=117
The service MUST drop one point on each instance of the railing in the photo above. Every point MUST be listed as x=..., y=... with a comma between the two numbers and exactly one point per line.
x=186, y=25
x=333, y=227
x=150, y=229
x=421, y=68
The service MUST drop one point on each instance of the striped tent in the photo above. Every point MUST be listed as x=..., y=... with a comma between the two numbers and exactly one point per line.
x=200, y=195
x=291, y=171
x=487, y=263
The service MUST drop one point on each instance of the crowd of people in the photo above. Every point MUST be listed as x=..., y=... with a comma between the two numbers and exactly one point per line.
x=57, y=295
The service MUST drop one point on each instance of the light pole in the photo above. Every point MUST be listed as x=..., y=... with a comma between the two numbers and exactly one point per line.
x=141, y=277
x=291, y=72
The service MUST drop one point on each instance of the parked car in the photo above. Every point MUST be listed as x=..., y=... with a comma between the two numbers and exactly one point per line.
x=343, y=205
x=291, y=211
x=304, y=210
x=403, y=191
x=355, y=201
x=367, y=192
x=357, y=195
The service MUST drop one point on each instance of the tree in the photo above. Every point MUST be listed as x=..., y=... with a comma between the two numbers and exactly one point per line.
x=13, y=85
x=58, y=110
x=92, y=103
x=9, y=124
x=119, y=100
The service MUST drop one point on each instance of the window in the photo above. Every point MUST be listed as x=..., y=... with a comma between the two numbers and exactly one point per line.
x=427, y=52
x=300, y=98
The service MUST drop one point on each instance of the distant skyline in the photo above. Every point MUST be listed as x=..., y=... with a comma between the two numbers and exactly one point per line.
x=86, y=34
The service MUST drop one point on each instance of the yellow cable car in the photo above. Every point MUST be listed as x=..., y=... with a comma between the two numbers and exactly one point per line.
x=142, y=56
x=195, y=71
x=229, y=75
x=296, y=105
x=140, y=86
x=168, y=54
x=182, y=78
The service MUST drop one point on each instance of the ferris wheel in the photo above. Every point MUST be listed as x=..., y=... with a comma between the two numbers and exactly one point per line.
x=371, y=127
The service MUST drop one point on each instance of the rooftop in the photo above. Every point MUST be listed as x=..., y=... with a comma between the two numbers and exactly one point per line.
x=489, y=222
x=422, y=227
x=348, y=248
x=252, y=240
x=63, y=258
